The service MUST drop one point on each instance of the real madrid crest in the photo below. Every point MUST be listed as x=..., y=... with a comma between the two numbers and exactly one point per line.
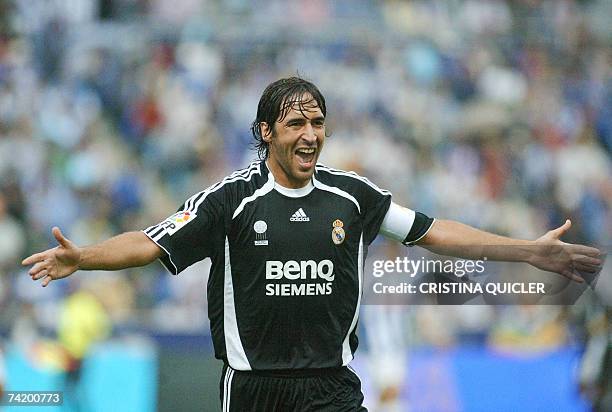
x=338, y=234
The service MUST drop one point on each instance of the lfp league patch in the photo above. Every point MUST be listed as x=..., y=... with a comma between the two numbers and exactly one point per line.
x=177, y=221
x=338, y=234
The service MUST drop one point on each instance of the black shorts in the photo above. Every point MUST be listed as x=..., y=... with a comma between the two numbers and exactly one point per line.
x=324, y=390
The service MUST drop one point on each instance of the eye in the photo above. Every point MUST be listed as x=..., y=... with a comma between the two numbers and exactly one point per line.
x=295, y=123
x=318, y=123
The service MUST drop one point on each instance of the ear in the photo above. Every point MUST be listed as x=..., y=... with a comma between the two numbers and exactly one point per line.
x=266, y=132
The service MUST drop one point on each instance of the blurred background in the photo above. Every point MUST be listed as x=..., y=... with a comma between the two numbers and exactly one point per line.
x=113, y=112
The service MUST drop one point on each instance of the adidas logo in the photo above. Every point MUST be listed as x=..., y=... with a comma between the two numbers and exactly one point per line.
x=299, y=216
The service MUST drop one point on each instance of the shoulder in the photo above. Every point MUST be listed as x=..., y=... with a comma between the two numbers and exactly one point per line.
x=235, y=186
x=347, y=180
x=245, y=180
x=245, y=175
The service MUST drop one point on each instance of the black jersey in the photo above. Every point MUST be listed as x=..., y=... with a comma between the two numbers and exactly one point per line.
x=286, y=276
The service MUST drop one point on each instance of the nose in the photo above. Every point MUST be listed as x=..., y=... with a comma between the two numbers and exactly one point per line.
x=309, y=133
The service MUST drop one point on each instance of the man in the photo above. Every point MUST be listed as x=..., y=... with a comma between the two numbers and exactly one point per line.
x=287, y=239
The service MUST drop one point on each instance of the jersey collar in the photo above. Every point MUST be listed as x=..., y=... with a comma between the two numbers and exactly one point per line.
x=301, y=192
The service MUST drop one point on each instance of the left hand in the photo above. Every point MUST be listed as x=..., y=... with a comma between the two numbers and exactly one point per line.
x=567, y=259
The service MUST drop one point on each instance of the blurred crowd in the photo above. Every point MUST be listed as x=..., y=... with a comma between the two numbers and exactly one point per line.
x=494, y=113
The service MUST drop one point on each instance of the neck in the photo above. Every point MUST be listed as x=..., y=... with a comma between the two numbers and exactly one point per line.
x=282, y=178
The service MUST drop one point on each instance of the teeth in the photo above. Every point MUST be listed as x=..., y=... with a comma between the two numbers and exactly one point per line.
x=306, y=151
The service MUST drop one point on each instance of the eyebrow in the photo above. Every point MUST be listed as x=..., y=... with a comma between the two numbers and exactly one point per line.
x=301, y=119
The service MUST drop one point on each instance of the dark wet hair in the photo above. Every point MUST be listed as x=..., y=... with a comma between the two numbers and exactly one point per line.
x=277, y=100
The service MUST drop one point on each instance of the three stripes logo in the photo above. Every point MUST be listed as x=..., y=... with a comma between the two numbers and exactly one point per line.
x=299, y=216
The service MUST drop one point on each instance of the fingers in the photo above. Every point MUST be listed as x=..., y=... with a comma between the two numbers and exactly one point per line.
x=586, y=250
x=586, y=268
x=40, y=274
x=57, y=233
x=560, y=231
x=586, y=264
x=37, y=257
x=46, y=281
x=574, y=277
x=587, y=260
x=571, y=275
x=44, y=262
x=38, y=267
x=46, y=275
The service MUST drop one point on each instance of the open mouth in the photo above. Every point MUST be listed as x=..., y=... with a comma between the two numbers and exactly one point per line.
x=306, y=156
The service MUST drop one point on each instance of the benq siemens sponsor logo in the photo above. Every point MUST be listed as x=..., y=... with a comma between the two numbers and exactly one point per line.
x=304, y=269
x=295, y=271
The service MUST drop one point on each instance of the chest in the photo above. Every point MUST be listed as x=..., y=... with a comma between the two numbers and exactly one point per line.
x=316, y=222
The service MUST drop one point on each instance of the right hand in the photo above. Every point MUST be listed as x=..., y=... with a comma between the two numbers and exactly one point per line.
x=57, y=263
x=566, y=259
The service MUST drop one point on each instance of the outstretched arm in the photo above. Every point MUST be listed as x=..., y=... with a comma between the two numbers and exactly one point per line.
x=123, y=251
x=447, y=237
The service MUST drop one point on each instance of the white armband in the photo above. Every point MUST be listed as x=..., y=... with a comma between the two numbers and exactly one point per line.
x=405, y=225
x=397, y=223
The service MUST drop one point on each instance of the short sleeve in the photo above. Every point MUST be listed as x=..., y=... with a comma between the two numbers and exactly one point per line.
x=375, y=203
x=372, y=201
x=189, y=235
x=421, y=225
x=405, y=225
